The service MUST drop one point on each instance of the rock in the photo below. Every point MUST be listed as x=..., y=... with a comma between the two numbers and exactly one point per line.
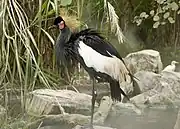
x=166, y=91
x=121, y=108
x=147, y=60
x=94, y=127
x=2, y=115
x=47, y=101
x=177, y=125
x=130, y=90
x=143, y=84
x=103, y=110
x=145, y=80
x=71, y=120
x=101, y=88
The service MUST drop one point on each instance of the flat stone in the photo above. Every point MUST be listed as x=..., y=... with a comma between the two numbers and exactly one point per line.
x=47, y=101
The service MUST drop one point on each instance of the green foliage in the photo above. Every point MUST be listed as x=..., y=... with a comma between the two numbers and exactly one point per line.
x=164, y=12
x=65, y=2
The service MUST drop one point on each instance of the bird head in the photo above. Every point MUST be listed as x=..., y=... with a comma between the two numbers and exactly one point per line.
x=174, y=62
x=59, y=22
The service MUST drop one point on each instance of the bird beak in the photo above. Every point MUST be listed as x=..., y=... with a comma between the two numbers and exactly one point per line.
x=177, y=62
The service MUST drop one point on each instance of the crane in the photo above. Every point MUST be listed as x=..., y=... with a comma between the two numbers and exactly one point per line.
x=96, y=55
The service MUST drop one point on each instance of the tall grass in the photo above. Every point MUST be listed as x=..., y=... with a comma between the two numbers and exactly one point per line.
x=21, y=68
x=27, y=44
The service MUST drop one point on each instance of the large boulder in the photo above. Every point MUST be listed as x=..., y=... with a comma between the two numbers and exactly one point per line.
x=147, y=60
x=101, y=88
x=144, y=83
x=67, y=120
x=166, y=90
x=47, y=101
x=145, y=80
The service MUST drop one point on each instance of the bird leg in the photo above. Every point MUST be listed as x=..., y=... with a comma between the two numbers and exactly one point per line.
x=94, y=94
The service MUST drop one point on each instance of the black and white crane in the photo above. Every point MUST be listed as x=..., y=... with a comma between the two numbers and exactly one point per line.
x=97, y=56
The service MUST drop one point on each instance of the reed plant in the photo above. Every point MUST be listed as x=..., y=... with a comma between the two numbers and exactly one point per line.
x=27, y=60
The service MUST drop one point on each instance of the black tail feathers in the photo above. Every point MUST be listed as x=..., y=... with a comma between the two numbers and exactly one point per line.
x=116, y=91
x=136, y=88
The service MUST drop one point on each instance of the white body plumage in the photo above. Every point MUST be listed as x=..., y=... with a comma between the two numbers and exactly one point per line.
x=112, y=66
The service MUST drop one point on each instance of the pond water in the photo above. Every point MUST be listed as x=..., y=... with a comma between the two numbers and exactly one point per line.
x=150, y=119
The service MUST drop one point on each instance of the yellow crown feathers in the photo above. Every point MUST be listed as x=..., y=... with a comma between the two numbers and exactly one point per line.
x=71, y=19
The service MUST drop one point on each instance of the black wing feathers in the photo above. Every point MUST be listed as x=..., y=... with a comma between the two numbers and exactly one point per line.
x=93, y=39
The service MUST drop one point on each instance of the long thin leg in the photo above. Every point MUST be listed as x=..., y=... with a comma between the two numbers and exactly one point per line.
x=93, y=101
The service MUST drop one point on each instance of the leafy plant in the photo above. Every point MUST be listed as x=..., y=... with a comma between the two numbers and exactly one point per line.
x=164, y=12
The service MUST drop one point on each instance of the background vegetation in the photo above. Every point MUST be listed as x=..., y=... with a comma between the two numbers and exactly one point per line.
x=27, y=58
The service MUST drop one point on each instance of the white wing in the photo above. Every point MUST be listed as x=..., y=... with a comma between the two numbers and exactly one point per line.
x=112, y=66
x=169, y=68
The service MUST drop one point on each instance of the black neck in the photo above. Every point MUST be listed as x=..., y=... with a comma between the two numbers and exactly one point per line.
x=64, y=36
x=65, y=29
x=62, y=39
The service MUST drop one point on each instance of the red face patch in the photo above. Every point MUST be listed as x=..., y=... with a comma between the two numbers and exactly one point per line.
x=61, y=25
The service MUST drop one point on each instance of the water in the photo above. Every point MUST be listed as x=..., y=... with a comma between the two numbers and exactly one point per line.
x=150, y=119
